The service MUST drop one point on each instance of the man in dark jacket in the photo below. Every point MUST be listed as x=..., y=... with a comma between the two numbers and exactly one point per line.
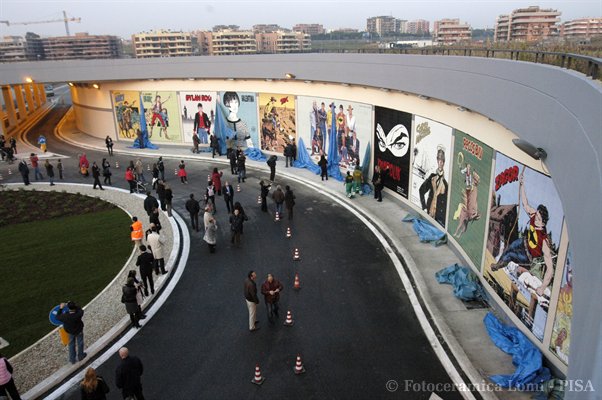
x=128, y=375
x=289, y=201
x=264, y=191
x=241, y=168
x=193, y=208
x=74, y=326
x=251, y=299
x=236, y=221
x=378, y=180
x=24, y=170
x=228, y=192
x=288, y=154
x=146, y=263
x=149, y=203
x=272, y=164
x=96, y=176
x=161, y=168
x=271, y=289
x=233, y=160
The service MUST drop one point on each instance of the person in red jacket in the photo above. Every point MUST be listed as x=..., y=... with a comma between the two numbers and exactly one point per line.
x=129, y=177
x=271, y=289
x=216, y=177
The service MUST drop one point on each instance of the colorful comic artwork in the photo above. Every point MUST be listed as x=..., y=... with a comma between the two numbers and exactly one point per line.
x=162, y=116
x=561, y=332
x=239, y=110
x=197, y=110
x=278, y=126
x=127, y=113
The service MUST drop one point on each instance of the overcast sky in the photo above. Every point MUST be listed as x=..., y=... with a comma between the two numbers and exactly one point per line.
x=125, y=17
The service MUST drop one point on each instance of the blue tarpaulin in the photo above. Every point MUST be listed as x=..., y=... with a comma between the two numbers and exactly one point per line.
x=304, y=160
x=253, y=153
x=222, y=130
x=529, y=373
x=426, y=232
x=466, y=284
x=334, y=171
x=146, y=143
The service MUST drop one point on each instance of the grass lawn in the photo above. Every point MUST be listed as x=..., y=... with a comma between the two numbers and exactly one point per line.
x=46, y=262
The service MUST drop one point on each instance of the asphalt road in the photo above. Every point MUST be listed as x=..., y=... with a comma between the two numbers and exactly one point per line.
x=354, y=325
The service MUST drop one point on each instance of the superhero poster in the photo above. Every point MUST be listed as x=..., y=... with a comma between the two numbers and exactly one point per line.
x=126, y=107
x=162, y=116
x=469, y=194
x=392, y=135
x=277, y=115
x=561, y=332
x=525, y=223
x=431, y=167
x=353, y=127
x=192, y=106
x=239, y=110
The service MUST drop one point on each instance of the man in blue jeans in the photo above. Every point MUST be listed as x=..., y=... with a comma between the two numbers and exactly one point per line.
x=74, y=326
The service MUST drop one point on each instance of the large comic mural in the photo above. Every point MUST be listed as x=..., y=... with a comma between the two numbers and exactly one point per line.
x=162, y=116
x=239, y=110
x=392, y=133
x=353, y=128
x=277, y=113
x=197, y=109
x=526, y=220
x=431, y=167
x=127, y=113
x=469, y=194
x=561, y=332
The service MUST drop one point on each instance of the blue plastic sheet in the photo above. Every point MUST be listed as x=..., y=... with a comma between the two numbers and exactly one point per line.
x=146, y=143
x=304, y=160
x=221, y=130
x=366, y=164
x=466, y=284
x=334, y=171
x=529, y=373
x=425, y=230
x=253, y=153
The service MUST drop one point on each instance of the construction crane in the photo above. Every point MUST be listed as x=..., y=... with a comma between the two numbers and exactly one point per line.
x=65, y=19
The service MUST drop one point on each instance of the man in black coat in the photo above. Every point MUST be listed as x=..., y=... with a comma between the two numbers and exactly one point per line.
x=288, y=154
x=96, y=176
x=193, y=208
x=228, y=192
x=149, y=203
x=128, y=375
x=272, y=164
x=74, y=326
x=146, y=262
x=24, y=170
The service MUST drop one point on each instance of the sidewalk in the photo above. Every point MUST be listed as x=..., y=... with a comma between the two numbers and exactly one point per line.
x=460, y=328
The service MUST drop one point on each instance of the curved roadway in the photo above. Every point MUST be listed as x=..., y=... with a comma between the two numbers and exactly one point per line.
x=354, y=324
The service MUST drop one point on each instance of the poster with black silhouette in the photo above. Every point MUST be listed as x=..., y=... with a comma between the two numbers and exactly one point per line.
x=392, y=134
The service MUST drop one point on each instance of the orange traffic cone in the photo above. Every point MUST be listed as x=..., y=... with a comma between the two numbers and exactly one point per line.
x=297, y=284
x=296, y=255
x=288, y=232
x=258, y=199
x=289, y=319
x=277, y=217
x=299, y=368
x=258, y=379
x=238, y=187
x=117, y=164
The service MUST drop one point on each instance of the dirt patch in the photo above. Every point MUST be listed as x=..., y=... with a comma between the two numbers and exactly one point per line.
x=18, y=206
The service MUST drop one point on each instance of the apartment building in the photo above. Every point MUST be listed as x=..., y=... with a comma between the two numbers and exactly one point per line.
x=581, y=28
x=283, y=42
x=383, y=25
x=263, y=28
x=418, y=27
x=162, y=43
x=13, y=49
x=310, y=29
x=451, y=31
x=81, y=46
x=227, y=42
x=527, y=25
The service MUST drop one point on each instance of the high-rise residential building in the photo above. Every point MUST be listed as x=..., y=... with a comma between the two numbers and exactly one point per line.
x=81, y=46
x=310, y=29
x=403, y=26
x=218, y=28
x=13, y=49
x=581, y=28
x=162, y=43
x=283, y=42
x=383, y=25
x=451, y=31
x=527, y=25
x=263, y=28
x=227, y=42
x=418, y=27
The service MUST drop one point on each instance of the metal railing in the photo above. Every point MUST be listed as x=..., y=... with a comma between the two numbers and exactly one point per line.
x=590, y=66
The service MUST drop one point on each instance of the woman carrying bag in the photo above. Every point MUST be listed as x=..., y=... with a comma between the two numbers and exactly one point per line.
x=93, y=387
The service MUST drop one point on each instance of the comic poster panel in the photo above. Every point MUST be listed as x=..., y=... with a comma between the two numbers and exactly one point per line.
x=277, y=114
x=469, y=194
x=431, y=167
x=240, y=113
x=162, y=116
x=127, y=113
x=193, y=105
x=522, y=242
x=392, y=147
x=353, y=127
x=561, y=332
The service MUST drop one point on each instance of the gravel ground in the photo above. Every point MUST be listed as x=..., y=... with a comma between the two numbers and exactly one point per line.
x=48, y=355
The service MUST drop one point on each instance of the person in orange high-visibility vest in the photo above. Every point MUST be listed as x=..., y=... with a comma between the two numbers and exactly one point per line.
x=137, y=232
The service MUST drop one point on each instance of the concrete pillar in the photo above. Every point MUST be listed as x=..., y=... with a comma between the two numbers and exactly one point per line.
x=36, y=95
x=30, y=105
x=7, y=94
x=42, y=92
x=2, y=126
x=20, y=102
